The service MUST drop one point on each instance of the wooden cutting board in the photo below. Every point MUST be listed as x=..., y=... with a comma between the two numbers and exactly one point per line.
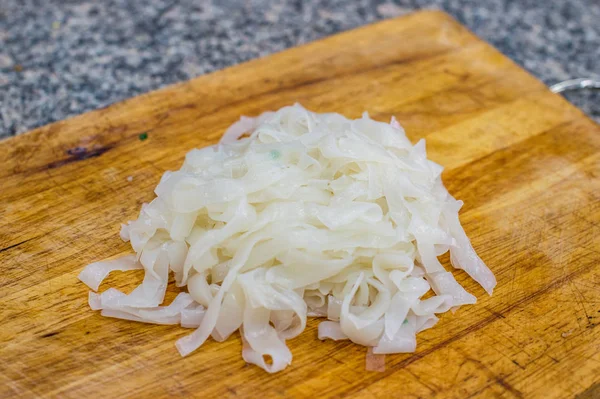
x=526, y=163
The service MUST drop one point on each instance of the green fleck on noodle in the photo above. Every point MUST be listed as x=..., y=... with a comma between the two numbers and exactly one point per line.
x=143, y=136
x=274, y=154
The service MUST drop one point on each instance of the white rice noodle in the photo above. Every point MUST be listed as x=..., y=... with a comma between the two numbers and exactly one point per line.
x=331, y=330
x=192, y=317
x=235, y=131
x=261, y=344
x=95, y=273
x=312, y=215
x=170, y=314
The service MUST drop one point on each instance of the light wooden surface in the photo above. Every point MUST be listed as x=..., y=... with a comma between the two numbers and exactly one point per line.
x=526, y=163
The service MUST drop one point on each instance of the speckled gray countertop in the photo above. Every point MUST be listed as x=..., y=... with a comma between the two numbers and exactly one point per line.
x=60, y=58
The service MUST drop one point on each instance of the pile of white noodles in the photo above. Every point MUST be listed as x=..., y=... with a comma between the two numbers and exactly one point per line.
x=311, y=215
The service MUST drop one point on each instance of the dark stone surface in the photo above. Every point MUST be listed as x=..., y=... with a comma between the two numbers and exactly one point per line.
x=60, y=58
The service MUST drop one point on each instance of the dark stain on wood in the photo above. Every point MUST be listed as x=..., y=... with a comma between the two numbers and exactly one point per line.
x=52, y=334
x=500, y=381
x=80, y=154
x=15, y=245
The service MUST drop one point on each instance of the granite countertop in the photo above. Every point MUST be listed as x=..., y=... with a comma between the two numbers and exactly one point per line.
x=60, y=58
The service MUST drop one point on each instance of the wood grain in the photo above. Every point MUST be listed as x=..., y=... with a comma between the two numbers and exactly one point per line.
x=526, y=163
